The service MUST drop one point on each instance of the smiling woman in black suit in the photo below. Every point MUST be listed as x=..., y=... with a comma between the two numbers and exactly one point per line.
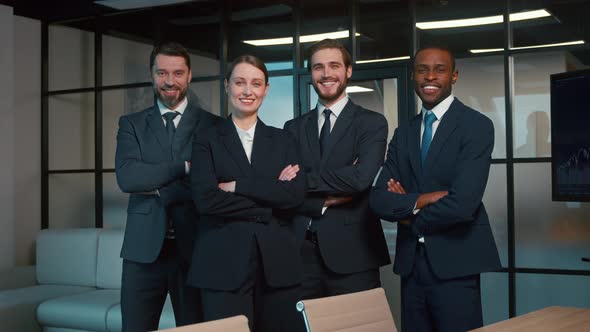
x=245, y=180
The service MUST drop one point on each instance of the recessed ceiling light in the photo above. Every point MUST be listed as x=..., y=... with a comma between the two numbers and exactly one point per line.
x=303, y=39
x=356, y=88
x=384, y=59
x=135, y=4
x=487, y=50
x=528, y=15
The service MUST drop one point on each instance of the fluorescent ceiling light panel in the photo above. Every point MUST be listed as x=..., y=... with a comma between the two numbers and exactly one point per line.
x=384, y=59
x=356, y=88
x=529, y=15
x=135, y=4
x=302, y=39
x=487, y=50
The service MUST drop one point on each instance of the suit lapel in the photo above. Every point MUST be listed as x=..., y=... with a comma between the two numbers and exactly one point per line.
x=414, y=145
x=445, y=128
x=190, y=118
x=262, y=147
x=232, y=143
x=156, y=125
x=340, y=129
x=311, y=133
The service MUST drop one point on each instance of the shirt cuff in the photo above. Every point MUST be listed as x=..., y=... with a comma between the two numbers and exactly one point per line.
x=415, y=211
x=324, y=209
x=187, y=168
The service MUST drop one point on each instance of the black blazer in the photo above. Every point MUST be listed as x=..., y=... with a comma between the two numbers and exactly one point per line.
x=458, y=237
x=231, y=224
x=145, y=162
x=350, y=235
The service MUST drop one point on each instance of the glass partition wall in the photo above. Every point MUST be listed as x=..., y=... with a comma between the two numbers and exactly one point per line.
x=96, y=69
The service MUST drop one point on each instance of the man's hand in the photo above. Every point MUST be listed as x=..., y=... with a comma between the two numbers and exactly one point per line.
x=333, y=201
x=229, y=187
x=430, y=198
x=395, y=187
x=289, y=173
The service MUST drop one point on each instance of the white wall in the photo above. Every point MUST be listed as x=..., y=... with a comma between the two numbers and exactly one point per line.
x=20, y=138
x=7, y=139
x=27, y=134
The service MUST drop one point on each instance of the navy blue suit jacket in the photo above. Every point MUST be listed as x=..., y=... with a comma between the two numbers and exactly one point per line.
x=458, y=237
x=145, y=162
x=255, y=215
x=350, y=236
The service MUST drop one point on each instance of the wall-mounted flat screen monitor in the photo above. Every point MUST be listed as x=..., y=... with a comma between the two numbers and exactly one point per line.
x=570, y=136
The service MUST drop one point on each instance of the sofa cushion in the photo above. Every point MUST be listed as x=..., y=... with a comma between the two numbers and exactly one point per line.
x=166, y=318
x=110, y=264
x=18, y=306
x=86, y=311
x=67, y=256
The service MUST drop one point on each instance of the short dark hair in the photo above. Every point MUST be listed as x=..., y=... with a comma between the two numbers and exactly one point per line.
x=170, y=49
x=249, y=59
x=437, y=47
x=324, y=44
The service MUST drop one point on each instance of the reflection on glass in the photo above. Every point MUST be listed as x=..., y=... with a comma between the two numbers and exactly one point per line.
x=114, y=203
x=496, y=205
x=265, y=31
x=481, y=86
x=538, y=291
x=125, y=61
x=70, y=58
x=71, y=131
x=380, y=23
x=115, y=104
x=552, y=235
x=206, y=95
x=277, y=107
x=71, y=200
x=494, y=297
x=566, y=21
x=531, y=114
x=460, y=39
x=325, y=17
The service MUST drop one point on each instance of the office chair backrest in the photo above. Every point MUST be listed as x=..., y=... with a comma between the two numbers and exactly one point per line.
x=366, y=311
x=232, y=324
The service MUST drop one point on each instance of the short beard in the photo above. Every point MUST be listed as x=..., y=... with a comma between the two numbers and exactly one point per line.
x=170, y=103
x=330, y=98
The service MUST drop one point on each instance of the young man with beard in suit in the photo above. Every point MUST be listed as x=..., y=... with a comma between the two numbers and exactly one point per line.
x=342, y=146
x=432, y=184
x=152, y=164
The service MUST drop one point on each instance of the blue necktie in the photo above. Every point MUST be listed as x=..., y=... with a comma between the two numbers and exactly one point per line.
x=325, y=132
x=429, y=119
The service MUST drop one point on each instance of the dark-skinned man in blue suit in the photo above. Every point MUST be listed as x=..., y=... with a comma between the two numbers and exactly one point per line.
x=152, y=164
x=432, y=184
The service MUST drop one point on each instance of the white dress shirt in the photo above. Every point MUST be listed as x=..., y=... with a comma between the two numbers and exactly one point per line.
x=336, y=110
x=180, y=109
x=247, y=139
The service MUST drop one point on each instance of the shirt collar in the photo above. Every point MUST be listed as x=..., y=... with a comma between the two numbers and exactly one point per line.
x=180, y=109
x=246, y=134
x=440, y=109
x=336, y=108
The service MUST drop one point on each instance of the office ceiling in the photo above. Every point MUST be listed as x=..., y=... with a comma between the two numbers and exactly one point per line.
x=196, y=23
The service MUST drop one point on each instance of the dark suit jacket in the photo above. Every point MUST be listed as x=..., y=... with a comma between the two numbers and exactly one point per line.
x=350, y=235
x=231, y=224
x=145, y=162
x=458, y=237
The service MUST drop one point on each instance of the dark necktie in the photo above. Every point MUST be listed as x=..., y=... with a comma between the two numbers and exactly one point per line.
x=325, y=132
x=429, y=119
x=170, y=128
